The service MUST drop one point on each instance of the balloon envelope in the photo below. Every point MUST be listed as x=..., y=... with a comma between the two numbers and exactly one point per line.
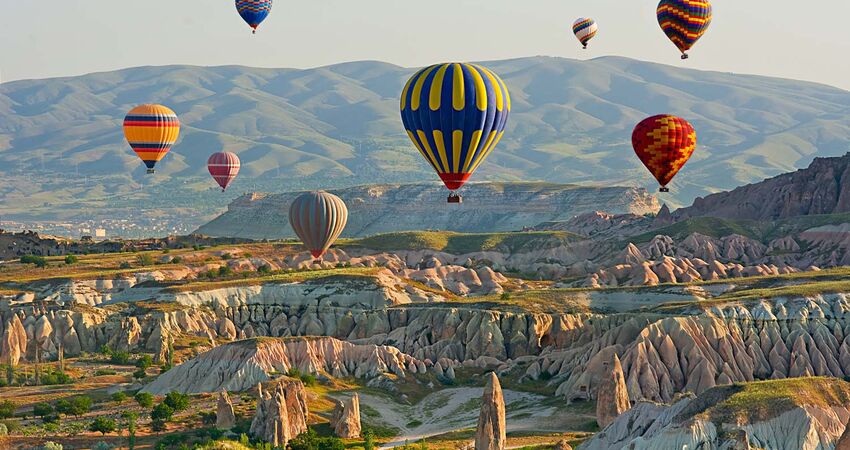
x=151, y=130
x=223, y=166
x=585, y=29
x=664, y=143
x=455, y=114
x=684, y=21
x=318, y=219
x=254, y=12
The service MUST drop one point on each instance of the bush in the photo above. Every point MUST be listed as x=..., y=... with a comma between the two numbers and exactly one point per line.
x=12, y=425
x=227, y=256
x=264, y=269
x=105, y=350
x=144, y=362
x=3, y=430
x=50, y=446
x=145, y=260
x=225, y=271
x=162, y=412
x=102, y=372
x=119, y=397
x=102, y=425
x=140, y=374
x=120, y=358
x=38, y=261
x=71, y=259
x=102, y=446
x=144, y=399
x=177, y=401
x=76, y=406
x=157, y=425
x=125, y=265
x=368, y=440
x=42, y=410
x=7, y=409
x=176, y=260
x=50, y=378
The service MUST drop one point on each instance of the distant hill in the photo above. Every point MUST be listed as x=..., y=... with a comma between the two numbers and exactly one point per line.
x=822, y=188
x=390, y=208
x=63, y=151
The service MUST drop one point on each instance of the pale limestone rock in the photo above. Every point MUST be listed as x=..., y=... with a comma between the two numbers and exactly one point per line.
x=225, y=418
x=612, y=396
x=346, y=418
x=490, y=433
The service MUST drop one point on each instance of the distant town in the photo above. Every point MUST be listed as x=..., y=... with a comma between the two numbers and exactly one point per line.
x=104, y=229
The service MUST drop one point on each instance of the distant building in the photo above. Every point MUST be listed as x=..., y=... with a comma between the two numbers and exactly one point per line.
x=99, y=233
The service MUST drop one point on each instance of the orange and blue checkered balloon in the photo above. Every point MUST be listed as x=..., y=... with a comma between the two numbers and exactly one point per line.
x=664, y=143
x=455, y=114
x=254, y=12
x=684, y=21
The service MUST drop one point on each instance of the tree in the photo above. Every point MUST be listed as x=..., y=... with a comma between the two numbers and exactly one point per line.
x=140, y=374
x=308, y=440
x=63, y=407
x=7, y=409
x=177, y=401
x=38, y=261
x=131, y=418
x=42, y=410
x=144, y=362
x=144, y=399
x=145, y=260
x=121, y=358
x=162, y=412
x=331, y=443
x=119, y=397
x=71, y=259
x=157, y=425
x=78, y=406
x=368, y=440
x=102, y=425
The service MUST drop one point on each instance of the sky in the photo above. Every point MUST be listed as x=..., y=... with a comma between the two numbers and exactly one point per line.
x=784, y=38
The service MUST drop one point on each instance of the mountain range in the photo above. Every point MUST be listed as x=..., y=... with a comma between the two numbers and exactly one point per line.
x=337, y=126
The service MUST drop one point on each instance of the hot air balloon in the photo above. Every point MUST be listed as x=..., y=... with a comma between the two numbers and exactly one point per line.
x=455, y=114
x=318, y=219
x=223, y=166
x=684, y=21
x=664, y=143
x=151, y=130
x=584, y=30
x=254, y=12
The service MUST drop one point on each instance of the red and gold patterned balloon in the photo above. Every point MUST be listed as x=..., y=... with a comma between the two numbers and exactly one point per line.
x=664, y=143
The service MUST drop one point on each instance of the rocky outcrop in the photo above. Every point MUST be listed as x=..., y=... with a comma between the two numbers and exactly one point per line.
x=240, y=365
x=13, y=344
x=821, y=188
x=385, y=208
x=490, y=433
x=346, y=418
x=281, y=414
x=225, y=418
x=843, y=442
x=612, y=398
x=562, y=445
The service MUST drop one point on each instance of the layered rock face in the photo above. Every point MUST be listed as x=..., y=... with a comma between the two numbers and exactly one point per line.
x=490, y=433
x=612, y=398
x=281, y=415
x=240, y=365
x=346, y=418
x=384, y=208
x=822, y=188
x=225, y=418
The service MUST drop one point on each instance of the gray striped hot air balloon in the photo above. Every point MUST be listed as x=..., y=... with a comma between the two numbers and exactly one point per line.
x=318, y=218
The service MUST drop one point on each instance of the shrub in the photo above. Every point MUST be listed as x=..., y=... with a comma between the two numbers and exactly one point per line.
x=227, y=256
x=7, y=409
x=140, y=374
x=264, y=269
x=50, y=378
x=368, y=440
x=42, y=410
x=102, y=446
x=177, y=401
x=38, y=261
x=145, y=260
x=144, y=362
x=105, y=350
x=162, y=412
x=119, y=397
x=102, y=372
x=144, y=399
x=120, y=358
x=225, y=271
x=125, y=265
x=76, y=406
x=157, y=425
x=3, y=430
x=71, y=259
x=102, y=425
x=176, y=260
x=49, y=445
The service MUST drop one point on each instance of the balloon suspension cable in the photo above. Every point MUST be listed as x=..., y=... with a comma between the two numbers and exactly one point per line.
x=663, y=189
x=685, y=56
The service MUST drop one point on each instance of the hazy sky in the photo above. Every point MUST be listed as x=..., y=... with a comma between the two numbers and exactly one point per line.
x=788, y=38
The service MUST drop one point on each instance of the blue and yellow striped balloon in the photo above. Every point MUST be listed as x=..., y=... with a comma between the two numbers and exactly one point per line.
x=455, y=114
x=254, y=12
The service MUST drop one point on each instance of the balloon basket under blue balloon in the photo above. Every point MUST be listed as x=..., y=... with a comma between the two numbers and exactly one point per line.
x=151, y=171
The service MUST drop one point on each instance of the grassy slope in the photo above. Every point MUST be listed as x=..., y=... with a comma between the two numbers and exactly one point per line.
x=461, y=243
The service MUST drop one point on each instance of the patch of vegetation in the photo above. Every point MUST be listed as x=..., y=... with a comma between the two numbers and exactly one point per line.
x=709, y=226
x=71, y=259
x=308, y=379
x=461, y=243
x=38, y=261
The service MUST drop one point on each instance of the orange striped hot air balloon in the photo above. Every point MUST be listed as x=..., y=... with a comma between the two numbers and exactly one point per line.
x=151, y=130
x=664, y=143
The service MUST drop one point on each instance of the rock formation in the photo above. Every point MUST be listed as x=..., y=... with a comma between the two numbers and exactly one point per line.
x=562, y=445
x=490, y=434
x=387, y=208
x=13, y=344
x=346, y=418
x=225, y=418
x=843, y=442
x=612, y=399
x=281, y=415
